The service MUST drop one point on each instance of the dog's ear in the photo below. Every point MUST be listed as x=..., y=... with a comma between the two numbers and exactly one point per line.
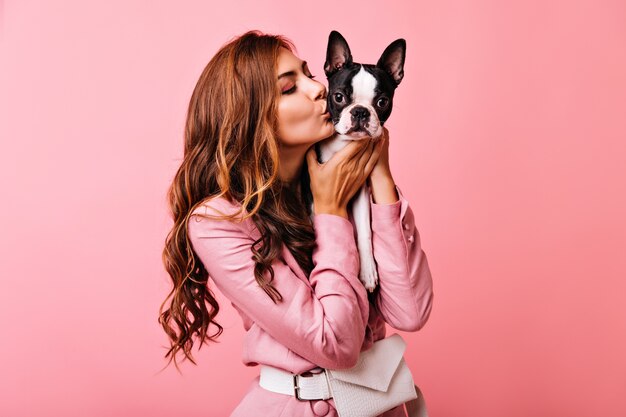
x=337, y=54
x=392, y=60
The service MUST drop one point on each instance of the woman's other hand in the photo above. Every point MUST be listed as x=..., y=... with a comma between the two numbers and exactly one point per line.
x=381, y=169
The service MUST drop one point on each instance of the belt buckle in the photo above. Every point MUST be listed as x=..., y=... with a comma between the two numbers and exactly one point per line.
x=296, y=387
x=330, y=389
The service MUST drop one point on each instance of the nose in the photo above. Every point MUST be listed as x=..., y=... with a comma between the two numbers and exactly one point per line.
x=320, y=94
x=360, y=113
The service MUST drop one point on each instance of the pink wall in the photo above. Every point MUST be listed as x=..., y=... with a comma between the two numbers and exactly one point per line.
x=508, y=137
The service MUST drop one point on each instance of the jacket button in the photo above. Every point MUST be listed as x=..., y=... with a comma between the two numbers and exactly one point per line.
x=410, y=238
x=320, y=407
x=405, y=225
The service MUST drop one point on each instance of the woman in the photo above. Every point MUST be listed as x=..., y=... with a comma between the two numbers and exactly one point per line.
x=241, y=217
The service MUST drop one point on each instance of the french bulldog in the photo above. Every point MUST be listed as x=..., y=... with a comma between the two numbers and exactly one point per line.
x=359, y=101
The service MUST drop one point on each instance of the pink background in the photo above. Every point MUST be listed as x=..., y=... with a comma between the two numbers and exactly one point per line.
x=508, y=137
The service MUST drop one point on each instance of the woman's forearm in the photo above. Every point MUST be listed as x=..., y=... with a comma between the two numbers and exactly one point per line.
x=383, y=188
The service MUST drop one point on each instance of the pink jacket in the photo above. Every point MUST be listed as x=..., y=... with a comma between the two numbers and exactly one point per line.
x=326, y=320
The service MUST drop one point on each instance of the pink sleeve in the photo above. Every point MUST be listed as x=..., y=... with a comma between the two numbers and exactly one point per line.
x=405, y=293
x=325, y=325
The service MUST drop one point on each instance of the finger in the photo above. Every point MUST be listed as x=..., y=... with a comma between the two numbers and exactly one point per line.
x=384, y=135
x=381, y=142
x=363, y=147
x=356, y=162
x=371, y=163
x=358, y=166
x=347, y=152
x=354, y=149
x=367, y=155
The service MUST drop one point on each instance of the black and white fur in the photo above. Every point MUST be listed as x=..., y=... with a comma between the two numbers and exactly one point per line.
x=360, y=99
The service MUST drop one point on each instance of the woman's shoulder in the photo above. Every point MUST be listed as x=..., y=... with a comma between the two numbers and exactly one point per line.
x=216, y=206
x=207, y=215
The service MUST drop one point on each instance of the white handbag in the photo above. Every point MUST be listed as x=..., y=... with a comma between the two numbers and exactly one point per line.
x=380, y=381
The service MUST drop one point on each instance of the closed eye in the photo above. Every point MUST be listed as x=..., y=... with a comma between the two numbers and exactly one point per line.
x=292, y=73
x=292, y=89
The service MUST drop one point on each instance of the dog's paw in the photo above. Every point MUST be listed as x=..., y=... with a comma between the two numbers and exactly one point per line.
x=368, y=273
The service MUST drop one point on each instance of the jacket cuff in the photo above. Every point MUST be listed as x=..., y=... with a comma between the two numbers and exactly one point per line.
x=388, y=211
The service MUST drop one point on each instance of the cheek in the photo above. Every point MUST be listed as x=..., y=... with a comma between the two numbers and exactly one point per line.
x=299, y=121
x=293, y=111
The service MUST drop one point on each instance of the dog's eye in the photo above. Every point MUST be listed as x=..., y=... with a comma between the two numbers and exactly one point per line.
x=338, y=97
x=382, y=102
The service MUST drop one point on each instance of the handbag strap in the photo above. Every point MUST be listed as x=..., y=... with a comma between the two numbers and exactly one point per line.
x=417, y=406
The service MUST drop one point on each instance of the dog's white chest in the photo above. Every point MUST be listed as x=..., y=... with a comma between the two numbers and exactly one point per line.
x=360, y=209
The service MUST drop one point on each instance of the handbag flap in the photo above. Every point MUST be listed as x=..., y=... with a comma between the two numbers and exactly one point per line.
x=376, y=366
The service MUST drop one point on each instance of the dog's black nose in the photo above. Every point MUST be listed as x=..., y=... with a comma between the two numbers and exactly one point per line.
x=360, y=113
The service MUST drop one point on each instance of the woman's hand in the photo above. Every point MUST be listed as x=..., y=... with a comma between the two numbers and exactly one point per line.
x=381, y=169
x=335, y=182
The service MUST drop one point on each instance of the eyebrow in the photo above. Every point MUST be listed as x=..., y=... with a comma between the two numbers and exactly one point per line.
x=286, y=74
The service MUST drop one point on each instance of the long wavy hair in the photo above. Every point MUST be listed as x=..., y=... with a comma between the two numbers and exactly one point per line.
x=231, y=151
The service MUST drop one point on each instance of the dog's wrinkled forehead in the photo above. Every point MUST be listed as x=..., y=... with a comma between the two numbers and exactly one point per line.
x=363, y=87
x=361, y=82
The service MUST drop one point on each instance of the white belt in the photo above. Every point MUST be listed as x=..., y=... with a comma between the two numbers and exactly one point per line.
x=310, y=385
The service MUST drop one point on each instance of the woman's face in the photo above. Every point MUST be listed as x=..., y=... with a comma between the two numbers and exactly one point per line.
x=302, y=104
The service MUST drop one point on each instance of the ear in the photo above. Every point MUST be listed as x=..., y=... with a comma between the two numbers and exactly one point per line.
x=337, y=54
x=392, y=60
